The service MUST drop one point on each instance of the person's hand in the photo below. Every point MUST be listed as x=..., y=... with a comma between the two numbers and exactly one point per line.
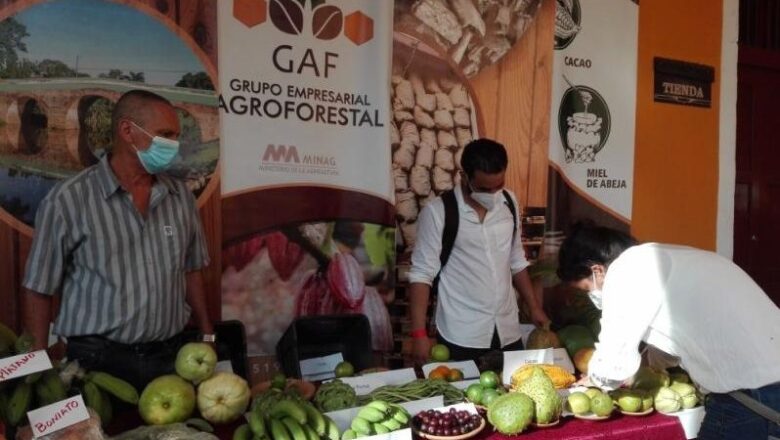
x=421, y=349
x=539, y=318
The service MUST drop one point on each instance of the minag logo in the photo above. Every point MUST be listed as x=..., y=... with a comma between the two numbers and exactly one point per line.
x=290, y=16
x=281, y=153
x=287, y=159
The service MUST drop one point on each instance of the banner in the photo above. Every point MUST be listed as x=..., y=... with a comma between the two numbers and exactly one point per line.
x=593, y=108
x=307, y=208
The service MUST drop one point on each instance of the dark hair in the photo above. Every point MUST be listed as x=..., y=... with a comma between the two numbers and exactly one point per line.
x=133, y=105
x=483, y=155
x=587, y=245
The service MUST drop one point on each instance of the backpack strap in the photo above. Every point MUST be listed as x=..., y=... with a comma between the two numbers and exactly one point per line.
x=451, y=222
x=513, y=209
x=449, y=232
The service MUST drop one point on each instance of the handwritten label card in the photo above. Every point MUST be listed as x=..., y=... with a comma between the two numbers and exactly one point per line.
x=57, y=416
x=363, y=384
x=320, y=368
x=395, y=377
x=24, y=365
x=369, y=382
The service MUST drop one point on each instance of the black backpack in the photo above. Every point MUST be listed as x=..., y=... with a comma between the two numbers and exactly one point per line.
x=451, y=222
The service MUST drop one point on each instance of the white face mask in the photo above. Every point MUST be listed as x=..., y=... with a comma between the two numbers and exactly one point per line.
x=488, y=200
x=595, y=294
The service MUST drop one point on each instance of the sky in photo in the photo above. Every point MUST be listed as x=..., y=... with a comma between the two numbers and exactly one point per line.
x=104, y=35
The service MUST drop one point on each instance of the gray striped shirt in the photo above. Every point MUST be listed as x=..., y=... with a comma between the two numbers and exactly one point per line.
x=122, y=276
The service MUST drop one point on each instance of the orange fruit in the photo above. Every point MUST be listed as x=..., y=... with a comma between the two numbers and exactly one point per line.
x=454, y=375
x=437, y=374
x=444, y=369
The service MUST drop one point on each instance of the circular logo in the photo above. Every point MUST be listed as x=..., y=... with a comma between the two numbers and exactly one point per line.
x=568, y=16
x=584, y=123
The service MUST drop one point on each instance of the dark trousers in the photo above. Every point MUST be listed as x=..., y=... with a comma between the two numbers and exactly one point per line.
x=486, y=358
x=728, y=419
x=138, y=364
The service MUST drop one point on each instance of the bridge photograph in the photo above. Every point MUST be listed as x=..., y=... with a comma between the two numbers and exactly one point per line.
x=63, y=68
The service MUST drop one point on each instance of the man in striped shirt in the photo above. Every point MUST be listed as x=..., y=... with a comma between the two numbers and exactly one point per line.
x=122, y=244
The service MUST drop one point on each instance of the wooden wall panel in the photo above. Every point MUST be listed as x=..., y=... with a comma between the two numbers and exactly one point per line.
x=8, y=275
x=514, y=97
x=540, y=119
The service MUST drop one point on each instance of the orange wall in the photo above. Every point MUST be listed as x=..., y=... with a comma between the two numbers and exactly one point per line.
x=676, y=165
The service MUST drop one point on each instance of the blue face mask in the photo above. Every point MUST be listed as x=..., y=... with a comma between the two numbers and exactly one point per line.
x=160, y=154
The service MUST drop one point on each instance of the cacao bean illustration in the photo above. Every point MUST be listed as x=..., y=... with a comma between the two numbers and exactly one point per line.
x=345, y=279
x=285, y=255
x=311, y=295
x=241, y=254
x=327, y=22
x=287, y=16
x=379, y=319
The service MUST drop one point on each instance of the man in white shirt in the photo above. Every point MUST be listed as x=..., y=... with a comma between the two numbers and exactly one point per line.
x=688, y=303
x=477, y=307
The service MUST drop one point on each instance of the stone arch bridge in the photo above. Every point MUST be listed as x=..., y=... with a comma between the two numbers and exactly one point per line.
x=64, y=103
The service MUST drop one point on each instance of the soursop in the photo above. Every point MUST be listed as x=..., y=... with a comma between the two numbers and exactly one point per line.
x=547, y=402
x=511, y=413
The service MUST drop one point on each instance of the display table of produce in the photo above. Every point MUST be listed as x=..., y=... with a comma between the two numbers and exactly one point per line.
x=618, y=427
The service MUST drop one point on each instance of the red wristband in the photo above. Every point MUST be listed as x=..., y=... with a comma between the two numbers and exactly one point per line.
x=419, y=333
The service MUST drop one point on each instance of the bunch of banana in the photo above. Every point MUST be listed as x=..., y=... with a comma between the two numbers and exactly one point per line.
x=377, y=417
x=31, y=392
x=98, y=388
x=287, y=420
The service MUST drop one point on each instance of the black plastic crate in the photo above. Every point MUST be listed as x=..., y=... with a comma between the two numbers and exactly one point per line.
x=317, y=336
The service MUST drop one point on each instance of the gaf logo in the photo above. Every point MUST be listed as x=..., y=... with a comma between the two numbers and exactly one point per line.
x=281, y=153
x=327, y=21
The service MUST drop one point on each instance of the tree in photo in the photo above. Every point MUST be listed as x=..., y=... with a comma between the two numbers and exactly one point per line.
x=12, y=32
x=198, y=80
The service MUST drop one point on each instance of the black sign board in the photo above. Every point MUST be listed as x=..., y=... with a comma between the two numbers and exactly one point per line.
x=680, y=82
